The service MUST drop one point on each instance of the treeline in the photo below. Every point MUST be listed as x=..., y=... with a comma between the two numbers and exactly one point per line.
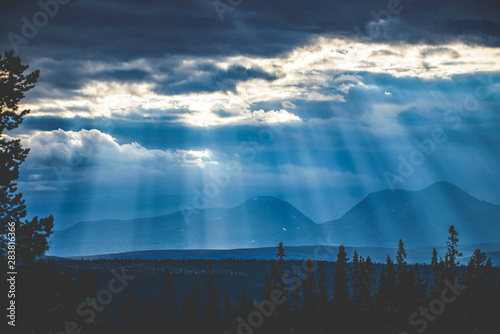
x=351, y=295
x=296, y=300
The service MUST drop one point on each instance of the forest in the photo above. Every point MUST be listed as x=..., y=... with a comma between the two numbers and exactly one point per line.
x=258, y=296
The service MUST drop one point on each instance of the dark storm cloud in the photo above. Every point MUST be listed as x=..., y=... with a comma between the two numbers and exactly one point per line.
x=211, y=79
x=121, y=75
x=175, y=45
x=132, y=29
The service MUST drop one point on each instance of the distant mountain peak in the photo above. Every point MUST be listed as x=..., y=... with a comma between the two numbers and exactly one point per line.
x=265, y=198
x=443, y=185
x=420, y=218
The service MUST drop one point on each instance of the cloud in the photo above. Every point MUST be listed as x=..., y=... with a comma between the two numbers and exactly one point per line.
x=281, y=116
x=288, y=105
x=87, y=148
x=203, y=92
x=40, y=187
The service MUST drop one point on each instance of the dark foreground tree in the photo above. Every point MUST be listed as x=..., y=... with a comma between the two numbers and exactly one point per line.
x=31, y=236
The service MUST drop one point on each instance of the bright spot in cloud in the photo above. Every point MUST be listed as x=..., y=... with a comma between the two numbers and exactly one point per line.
x=281, y=116
x=320, y=71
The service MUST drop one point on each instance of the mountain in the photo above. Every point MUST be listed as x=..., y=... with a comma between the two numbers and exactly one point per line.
x=420, y=218
x=258, y=222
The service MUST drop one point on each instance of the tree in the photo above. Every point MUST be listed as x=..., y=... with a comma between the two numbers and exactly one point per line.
x=387, y=285
x=384, y=320
x=245, y=305
x=401, y=264
x=227, y=313
x=32, y=236
x=475, y=269
x=452, y=253
x=281, y=319
x=197, y=298
x=341, y=279
x=322, y=291
x=341, y=299
x=490, y=276
x=280, y=268
x=356, y=276
x=310, y=295
x=211, y=319
x=129, y=312
x=168, y=302
x=188, y=318
x=368, y=280
x=153, y=318
x=437, y=271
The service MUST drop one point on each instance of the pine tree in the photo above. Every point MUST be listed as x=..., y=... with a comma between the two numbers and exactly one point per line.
x=322, y=291
x=280, y=269
x=356, y=277
x=31, y=235
x=153, y=318
x=168, y=302
x=268, y=286
x=211, y=319
x=245, y=305
x=341, y=279
x=452, y=253
x=437, y=271
x=197, y=299
x=129, y=312
x=341, y=317
x=475, y=268
x=368, y=280
x=310, y=295
x=188, y=317
x=227, y=313
x=387, y=285
x=401, y=264
x=490, y=276
x=281, y=321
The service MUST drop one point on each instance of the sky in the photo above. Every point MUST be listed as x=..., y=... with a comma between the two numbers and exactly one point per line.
x=147, y=107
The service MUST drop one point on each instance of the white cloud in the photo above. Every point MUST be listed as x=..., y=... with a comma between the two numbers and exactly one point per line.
x=40, y=187
x=288, y=105
x=92, y=147
x=281, y=116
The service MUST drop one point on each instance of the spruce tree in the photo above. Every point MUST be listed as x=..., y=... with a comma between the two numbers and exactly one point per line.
x=168, y=302
x=356, y=277
x=341, y=317
x=281, y=320
x=129, y=313
x=31, y=235
x=322, y=291
x=475, y=268
x=310, y=295
x=437, y=272
x=227, y=314
x=387, y=285
x=211, y=319
x=368, y=280
x=452, y=253
x=154, y=317
x=188, y=317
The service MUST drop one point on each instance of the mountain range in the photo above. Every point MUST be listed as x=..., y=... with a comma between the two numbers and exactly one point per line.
x=420, y=218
